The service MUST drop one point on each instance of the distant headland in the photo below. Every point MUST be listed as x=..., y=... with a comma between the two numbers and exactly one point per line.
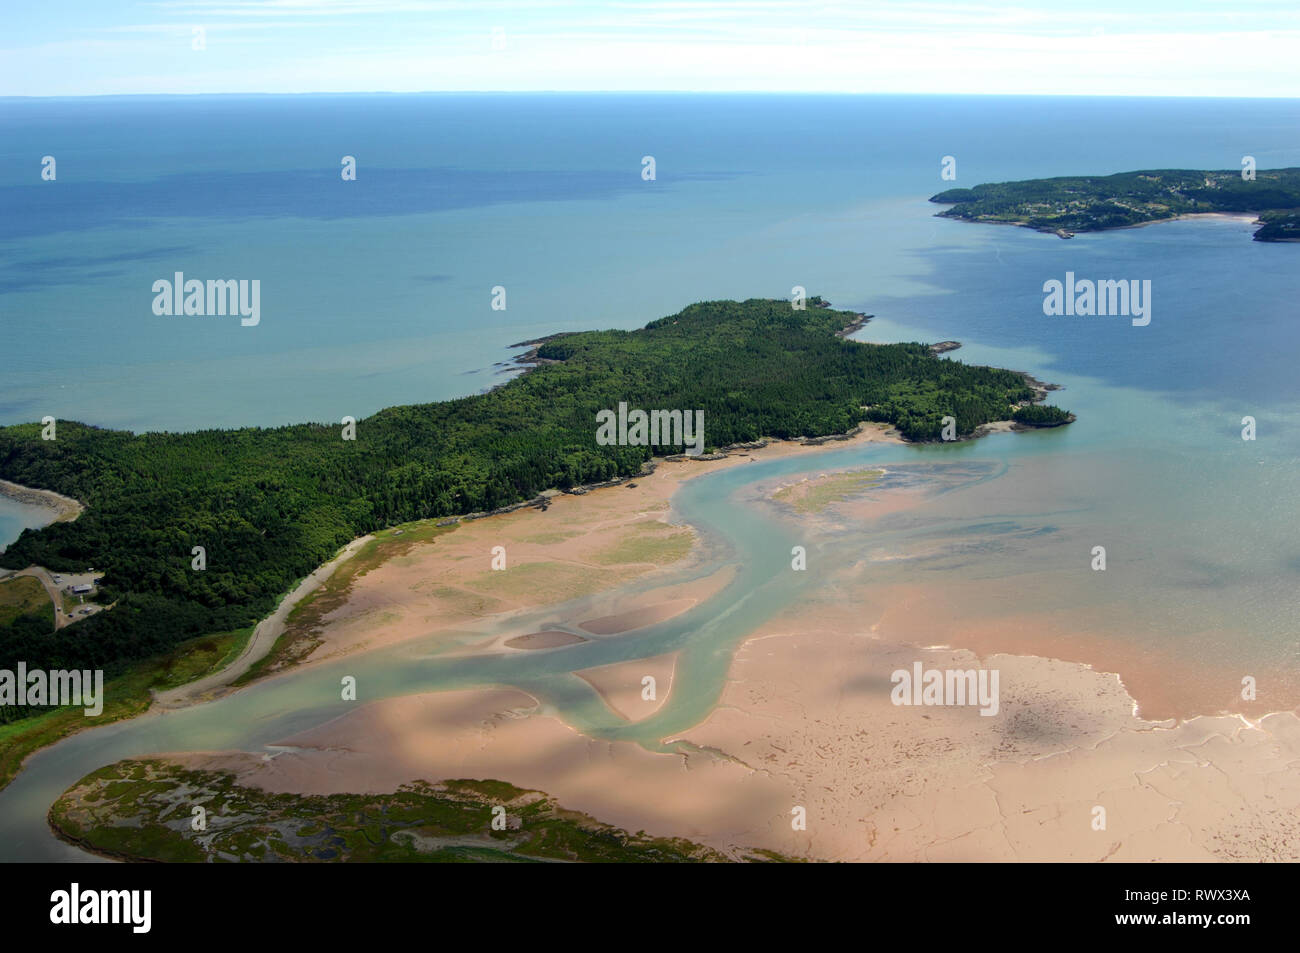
x=1070, y=204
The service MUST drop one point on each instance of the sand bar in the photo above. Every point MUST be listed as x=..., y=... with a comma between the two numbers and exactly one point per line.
x=624, y=687
x=550, y=639
x=637, y=618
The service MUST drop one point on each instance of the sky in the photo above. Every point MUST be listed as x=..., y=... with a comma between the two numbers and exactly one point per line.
x=1054, y=47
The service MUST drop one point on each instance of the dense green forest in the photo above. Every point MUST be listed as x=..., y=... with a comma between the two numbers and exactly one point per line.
x=1094, y=203
x=1037, y=415
x=269, y=505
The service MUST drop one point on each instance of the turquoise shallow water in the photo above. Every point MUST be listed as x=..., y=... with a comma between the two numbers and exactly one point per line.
x=381, y=298
x=377, y=292
x=16, y=517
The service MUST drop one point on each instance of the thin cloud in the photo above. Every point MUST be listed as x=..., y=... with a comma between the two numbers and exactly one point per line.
x=1090, y=47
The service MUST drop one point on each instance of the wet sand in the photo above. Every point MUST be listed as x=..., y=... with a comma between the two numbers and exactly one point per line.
x=499, y=733
x=888, y=782
x=1164, y=685
x=544, y=640
x=586, y=548
x=624, y=688
x=806, y=721
x=637, y=618
x=1067, y=770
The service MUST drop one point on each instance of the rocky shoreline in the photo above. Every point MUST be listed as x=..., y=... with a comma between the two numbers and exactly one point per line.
x=855, y=325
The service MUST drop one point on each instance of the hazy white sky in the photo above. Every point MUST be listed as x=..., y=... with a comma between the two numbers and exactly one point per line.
x=1084, y=47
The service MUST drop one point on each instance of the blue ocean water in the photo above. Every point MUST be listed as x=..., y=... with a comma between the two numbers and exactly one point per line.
x=378, y=291
x=16, y=517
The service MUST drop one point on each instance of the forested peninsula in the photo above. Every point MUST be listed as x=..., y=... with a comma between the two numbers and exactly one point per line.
x=1072, y=204
x=268, y=505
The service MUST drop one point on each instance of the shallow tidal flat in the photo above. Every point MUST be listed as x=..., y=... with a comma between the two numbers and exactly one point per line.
x=441, y=587
x=807, y=704
x=806, y=720
x=804, y=717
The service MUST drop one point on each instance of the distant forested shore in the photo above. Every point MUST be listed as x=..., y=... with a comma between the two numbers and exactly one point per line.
x=270, y=505
x=1070, y=204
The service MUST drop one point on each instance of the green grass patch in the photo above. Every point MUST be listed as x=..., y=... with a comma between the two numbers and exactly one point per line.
x=656, y=543
x=814, y=496
x=125, y=696
x=24, y=596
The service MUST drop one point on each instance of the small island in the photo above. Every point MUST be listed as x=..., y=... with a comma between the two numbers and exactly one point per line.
x=1070, y=204
x=1038, y=415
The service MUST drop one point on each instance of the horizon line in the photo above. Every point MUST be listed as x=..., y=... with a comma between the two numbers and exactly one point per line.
x=636, y=92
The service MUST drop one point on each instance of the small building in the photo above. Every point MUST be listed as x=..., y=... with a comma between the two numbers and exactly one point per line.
x=84, y=589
